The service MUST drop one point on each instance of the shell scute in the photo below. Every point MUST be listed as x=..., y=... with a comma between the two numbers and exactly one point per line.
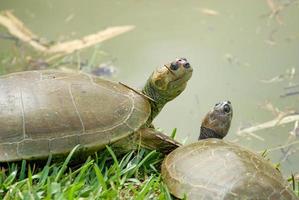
x=215, y=169
x=50, y=111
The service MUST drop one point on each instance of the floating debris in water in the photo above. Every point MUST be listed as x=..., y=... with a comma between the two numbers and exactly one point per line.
x=18, y=29
x=291, y=72
x=281, y=119
x=270, y=107
x=275, y=79
x=230, y=58
x=276, y=7
x=37, y=64
x=104, y=69
x=291, y=38
x=291, y=90
x=295, y=131
x=275, y=11
x=69, y=18
x=288, y=150
x=292, y=86
x=249, y=135
x=286, y=153
x=271, y=41
x=233, y=60
x=209, y=12
x=288, y=75
x=8, y=37
x=280, y=147
x=287, y=94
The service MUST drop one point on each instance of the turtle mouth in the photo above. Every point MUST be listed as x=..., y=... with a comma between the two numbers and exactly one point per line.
x=182, y=79
x=221, y=113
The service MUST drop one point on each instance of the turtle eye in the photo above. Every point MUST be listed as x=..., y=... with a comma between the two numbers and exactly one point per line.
x=174, y=66
x=226, y=108
x=187, y=65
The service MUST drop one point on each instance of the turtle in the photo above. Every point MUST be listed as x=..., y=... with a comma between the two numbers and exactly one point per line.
x=213, y=168
x=49, y=112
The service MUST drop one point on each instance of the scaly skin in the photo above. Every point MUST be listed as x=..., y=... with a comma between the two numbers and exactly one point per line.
x=217, y=122
x=165, y=84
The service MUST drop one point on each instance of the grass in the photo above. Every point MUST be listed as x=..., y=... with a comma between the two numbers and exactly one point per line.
x=104, y=176
x=294, y=183
x=134, y=176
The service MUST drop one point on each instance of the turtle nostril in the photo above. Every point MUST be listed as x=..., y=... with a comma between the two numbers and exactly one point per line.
x=174, y=66
x=184, y=59
x=229, y=102
x=187, y=65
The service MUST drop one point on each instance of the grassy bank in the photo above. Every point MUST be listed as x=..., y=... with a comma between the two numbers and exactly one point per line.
x=104, y=176
x=134, y=176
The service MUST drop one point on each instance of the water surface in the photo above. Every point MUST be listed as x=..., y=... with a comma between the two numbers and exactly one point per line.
x=231, y=50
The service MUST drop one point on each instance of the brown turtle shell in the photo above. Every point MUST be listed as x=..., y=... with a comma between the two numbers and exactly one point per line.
x=50, y=112
x=215, y=169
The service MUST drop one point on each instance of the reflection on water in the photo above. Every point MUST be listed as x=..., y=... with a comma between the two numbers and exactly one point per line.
x=240, y=51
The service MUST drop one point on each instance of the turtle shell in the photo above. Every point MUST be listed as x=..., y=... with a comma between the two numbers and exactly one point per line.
x=215, y=169
x=50, y=112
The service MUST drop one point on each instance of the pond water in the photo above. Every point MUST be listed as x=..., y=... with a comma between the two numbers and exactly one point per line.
x=232, y=45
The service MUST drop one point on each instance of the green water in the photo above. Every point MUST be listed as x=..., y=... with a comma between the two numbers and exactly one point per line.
x=229, y=52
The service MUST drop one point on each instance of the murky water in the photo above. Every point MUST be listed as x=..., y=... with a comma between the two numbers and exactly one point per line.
x=232, y=46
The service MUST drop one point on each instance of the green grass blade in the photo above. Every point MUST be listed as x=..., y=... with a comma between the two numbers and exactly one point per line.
x=165, y=192
x=100, y=177
x=48, y=197
x=44, y=175
x=125, y=160
x=29, y=180
x=10, y=179
x=65, y=163
x=82, y=171
x=144, y=159
x=264, y=154
x=23, y=170
x=293, y=182
x=145, y=189
x=115, y=161
x=173, y=134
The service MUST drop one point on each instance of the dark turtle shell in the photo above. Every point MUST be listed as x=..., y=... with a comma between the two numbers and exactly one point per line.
x=50, y=112
x=215, y=169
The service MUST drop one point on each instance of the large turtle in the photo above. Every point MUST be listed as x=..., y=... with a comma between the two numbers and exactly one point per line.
x=215, y=169
x=50, y=112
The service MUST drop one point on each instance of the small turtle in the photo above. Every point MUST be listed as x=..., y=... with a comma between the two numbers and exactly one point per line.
x=50, y=112
x=215, y=169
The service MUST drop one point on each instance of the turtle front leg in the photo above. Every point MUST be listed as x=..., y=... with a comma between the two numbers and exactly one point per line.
x=152, y=139
x=148, y=138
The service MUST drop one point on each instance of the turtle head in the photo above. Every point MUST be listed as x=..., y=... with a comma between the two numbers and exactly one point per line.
x=217, y=122
x=171, y=79
x=166, y=83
